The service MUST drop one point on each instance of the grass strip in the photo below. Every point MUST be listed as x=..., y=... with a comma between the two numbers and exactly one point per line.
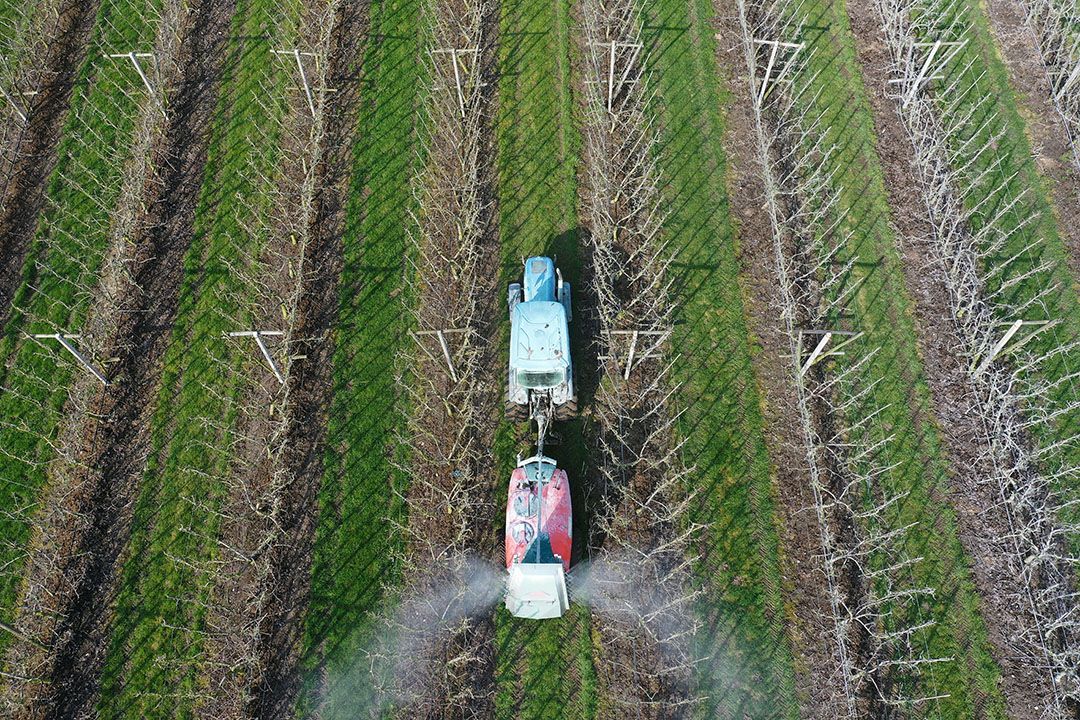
x=63, y=261
x=543, y=670
x=156, y=651
x=356, y=540
x=747, y=669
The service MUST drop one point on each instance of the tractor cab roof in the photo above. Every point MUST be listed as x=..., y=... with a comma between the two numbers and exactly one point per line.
x=538, y=335
x=540, y=279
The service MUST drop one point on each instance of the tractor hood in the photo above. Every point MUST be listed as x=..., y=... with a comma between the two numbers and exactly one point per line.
x=537, y=591
x=538, y=336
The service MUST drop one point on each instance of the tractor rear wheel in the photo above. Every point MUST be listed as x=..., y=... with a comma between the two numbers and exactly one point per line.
x=515, y=412
x=568, y=410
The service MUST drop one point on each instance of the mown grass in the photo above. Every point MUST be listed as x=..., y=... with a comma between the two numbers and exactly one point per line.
x=356, y=540
x=883, y=310
x=747, y=669
x=64, y=259
x=545, y=669
x=156, y=655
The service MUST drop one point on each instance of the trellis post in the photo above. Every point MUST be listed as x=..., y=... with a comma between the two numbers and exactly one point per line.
x=455, y=59
x=774, y=55
x=932, y=68
x=21, y=113
x=296, y=55
x=134, y=58
x=259, y=335
x=635, y=355
x=63, y=340
x=615, y=85
x=1000, y=346
x=819, y=352
x=443, y=345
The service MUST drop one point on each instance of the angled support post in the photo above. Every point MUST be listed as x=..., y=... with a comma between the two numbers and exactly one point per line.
x=134, y=58
x=63, y=340
x=774, y=74
x=615, y=80
x=298, y=57
x=932, y=68
x=1002, y=347
x=443, y=345
x=462, y=71
x=1071, y=80
x=820, y=352
x=18, y=109
x=635, y=354
x=259, y=335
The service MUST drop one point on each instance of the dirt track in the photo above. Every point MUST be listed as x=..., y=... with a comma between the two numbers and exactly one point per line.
x=33, y=151
x=114, y=440
x=981, y=522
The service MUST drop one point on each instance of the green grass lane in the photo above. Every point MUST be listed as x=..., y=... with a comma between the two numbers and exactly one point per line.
x=543, y=670
x=355, y=539
x=748, y=670
x=156, y=655
x=884, y=310
x=65, y=255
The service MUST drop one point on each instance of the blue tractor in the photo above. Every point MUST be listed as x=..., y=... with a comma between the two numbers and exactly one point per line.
x=541, y=382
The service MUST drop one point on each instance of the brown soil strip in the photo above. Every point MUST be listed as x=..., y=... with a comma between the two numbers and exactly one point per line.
x=812, y=631
x=33, y=150
x=115, y=437
x=275, y=692
x=1046, y=130
x=982, y=523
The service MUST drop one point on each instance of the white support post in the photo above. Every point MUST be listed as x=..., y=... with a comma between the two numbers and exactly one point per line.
x=259, y=335
x=630, y=355
x=297, y=56
x=1000, y=346
x=770, y=66
x=635, y=355
x=615, y=83
x=443, y=345
x=932, y=68
x=63, y=340
x=457, y=56
x=819, y=352
x=134, y=58
x=1069, y=81
x=21, y=113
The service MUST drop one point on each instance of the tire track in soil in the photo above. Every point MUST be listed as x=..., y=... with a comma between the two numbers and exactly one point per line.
x=981, y=523
x=1046, y=131
x=277, y=689
x=115, y=438
x=811, y=631
x=34, y=150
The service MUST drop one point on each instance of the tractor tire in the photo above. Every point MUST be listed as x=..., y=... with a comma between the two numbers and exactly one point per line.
x=568, y=410
x=515, y=412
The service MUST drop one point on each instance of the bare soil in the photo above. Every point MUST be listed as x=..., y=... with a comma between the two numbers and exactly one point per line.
x=32, y=150
x=804, y=588
x=982, y=523
x=1046, y=130
x=114, y=438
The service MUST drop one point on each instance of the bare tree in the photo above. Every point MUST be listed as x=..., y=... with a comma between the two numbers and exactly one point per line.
x=1021, y=374
x=1054, y=24
x=875, y=603
x=644, y=539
